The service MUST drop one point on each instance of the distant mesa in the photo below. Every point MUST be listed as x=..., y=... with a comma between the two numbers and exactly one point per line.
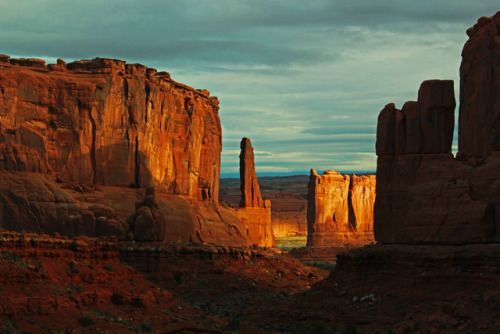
x=424, y=194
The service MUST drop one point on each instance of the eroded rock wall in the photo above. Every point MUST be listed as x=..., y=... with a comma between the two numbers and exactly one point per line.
x=106, y=122
x=77, y=139
x=424, y=194
x=340, y=209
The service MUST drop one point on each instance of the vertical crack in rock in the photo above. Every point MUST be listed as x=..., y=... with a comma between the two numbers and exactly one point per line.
x=351, y=214
x=137, y=169
x=339, y=209
x=92, y=147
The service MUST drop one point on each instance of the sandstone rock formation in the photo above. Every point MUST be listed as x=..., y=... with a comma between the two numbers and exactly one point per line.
x=288, y=196
x=250, y=190
x=77, y=139
x=254, y=211
x=103, y=121
x=424, y=194
x=148, y=223
x=288, y=213
x=340, y=209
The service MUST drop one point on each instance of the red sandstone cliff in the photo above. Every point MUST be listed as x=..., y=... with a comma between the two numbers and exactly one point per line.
x=103, y=121
x=424, y=194
x=75, y=137
x=340, y=209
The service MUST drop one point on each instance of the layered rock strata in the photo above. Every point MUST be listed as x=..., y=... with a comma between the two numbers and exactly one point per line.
x=77, y=139
x=424, y=194
x=340, y=209
x=103, y=121
x=254, y=211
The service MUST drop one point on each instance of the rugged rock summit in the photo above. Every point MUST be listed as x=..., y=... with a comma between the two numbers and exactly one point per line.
x=424, y=194
x=340, y=209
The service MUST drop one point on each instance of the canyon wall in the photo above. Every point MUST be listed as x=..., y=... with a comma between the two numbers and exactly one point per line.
x=424, y=194
x=103, y=121
x=340, y=209
x=104, y=148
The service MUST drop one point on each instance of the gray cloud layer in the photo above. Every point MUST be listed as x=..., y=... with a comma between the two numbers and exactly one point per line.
x=304, y=80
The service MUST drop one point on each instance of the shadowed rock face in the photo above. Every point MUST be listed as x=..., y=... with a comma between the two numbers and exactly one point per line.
x=424, y=194
x=340, y=209
x=479, y=120
x=106, y=122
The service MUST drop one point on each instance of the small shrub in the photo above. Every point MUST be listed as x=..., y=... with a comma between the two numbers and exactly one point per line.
x=11, y=257
x=178, y=278
x=80, y=288
x=350, y=329
x=86, y=321
x=108, y=267
x=145, y=327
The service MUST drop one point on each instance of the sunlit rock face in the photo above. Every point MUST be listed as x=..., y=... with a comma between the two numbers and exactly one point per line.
x=250, y=190
x=106, y=122
x=424, y=194
x=254, y=211
x=79, y=142
x=340, y=209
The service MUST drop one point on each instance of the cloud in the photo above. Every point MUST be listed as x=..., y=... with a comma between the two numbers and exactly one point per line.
x=304, y=80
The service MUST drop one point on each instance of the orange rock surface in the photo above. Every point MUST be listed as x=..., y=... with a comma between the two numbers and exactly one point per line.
x=103, y=121
x=250, y=190
x=424, y=194
x=288, y=196
x=75, y=139
x=254, y=211
x=340, y=209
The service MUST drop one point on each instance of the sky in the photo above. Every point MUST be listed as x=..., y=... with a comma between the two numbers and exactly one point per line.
x=304, y=80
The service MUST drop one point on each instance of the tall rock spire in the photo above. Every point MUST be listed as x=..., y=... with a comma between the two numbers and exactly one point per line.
x=250, y=190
